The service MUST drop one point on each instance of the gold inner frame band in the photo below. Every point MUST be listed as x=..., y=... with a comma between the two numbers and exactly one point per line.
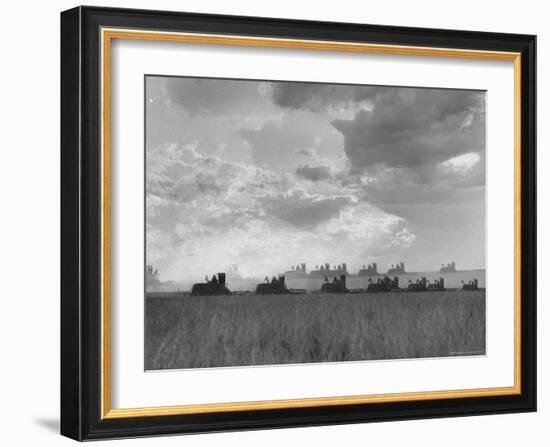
x=107, y=35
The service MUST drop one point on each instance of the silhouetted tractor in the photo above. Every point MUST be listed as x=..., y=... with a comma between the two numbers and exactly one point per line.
x=470, y=285
x=274, y=287
x=216, y=286
x=420, y=285
x=423, y=285
x=385, y=284
x=436, y=284
x=336, y=286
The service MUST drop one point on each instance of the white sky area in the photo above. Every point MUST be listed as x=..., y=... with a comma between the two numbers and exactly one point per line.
x=267, y=175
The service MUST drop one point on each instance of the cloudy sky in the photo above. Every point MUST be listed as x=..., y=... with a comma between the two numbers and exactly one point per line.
x=269, y=174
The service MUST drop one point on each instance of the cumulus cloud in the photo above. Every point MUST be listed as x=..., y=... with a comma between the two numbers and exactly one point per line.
x=415, y=127
x=413, y=144
x=263, y=174
x=204, y=213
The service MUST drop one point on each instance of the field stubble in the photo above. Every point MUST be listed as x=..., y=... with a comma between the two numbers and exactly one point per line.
x=216, y=331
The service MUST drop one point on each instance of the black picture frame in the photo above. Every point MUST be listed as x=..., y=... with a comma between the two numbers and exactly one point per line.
x=81, y=207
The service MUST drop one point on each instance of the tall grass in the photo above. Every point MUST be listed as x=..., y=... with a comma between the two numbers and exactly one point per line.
x=213, y=331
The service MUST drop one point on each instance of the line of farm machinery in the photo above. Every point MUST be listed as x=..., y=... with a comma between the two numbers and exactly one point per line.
x=277, y=286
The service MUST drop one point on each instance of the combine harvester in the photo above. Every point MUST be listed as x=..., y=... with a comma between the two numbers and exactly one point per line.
x=370, y=270
x=336, y=286
x=216, y=286
x=277, y=286
x=385, y=284
x=449, y=268
x=470, y=285
x=398, y=269
x=423, y=285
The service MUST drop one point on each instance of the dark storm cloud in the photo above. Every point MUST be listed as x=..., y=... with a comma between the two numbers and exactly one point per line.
x=313, y=173
x=415, y=127
x=316, y=97
x=412, y=128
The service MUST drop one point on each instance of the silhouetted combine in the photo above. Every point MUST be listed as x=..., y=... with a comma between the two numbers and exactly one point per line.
x=336, y=286
x=385, y=284
x=449, y=268
x=470, y=285
x=298, y=272
x=324, y=271
x=216, y=286
x=436, y=284
x=398, y=269
x=274, y=287
x=423, y=285
x=370, y=270
x=420, y=285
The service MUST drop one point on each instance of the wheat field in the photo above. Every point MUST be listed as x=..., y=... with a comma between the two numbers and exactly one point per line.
x=215, y=331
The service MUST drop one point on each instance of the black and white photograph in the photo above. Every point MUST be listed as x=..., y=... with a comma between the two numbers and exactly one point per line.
x=296, y=222
x=280, y=219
